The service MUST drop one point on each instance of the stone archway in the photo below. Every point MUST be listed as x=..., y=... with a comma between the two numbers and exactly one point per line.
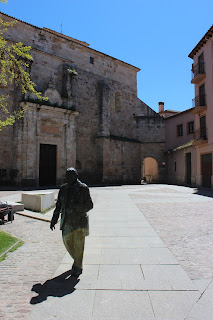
x=149, y=170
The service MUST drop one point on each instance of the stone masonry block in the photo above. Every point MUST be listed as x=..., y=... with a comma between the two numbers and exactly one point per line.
x=38, y=202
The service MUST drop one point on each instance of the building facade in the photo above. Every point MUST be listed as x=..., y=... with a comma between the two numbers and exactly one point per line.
x=202, y=78
x=180, y=148
x=189, y=134
x=93, y=119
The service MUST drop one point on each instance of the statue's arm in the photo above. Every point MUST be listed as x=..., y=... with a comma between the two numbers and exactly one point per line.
x=88, y=200
x=57, y=211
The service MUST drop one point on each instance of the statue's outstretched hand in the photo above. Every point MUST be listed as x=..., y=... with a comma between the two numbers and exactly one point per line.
x=52, y=225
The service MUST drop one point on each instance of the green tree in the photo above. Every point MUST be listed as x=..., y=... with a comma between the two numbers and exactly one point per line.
x=15, y=62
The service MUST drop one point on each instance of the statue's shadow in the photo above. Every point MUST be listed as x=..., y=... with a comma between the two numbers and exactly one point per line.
x=56, y=287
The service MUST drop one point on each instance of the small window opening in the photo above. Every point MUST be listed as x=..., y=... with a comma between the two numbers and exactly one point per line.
x=91, y=60
x=179, y=130
x=117, y=102
x=190, y=127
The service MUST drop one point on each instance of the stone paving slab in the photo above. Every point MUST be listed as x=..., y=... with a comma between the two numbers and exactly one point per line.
x=118, y=224
x=173, y=303
x=115, y=277
x=122, y=232
x=204, y=307
x=202, y=284
x=128, y=256
x=174, y=274
x=116, y=219
x=207, y=296
x=124, y=242
x=201, y=312
x=124, y=304
x=60, y=306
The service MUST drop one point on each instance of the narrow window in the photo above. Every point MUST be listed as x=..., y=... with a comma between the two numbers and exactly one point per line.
x=117, y=101
x=201, y=63
x=175, y=166
x=179, y=130
x=91, y=60
x=190, y=127
x=203, y=128
x=202, y=95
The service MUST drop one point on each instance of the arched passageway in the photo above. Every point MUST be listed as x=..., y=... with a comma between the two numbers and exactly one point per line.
x=149, y=170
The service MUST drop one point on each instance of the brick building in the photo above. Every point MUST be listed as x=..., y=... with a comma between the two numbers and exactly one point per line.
x=93, y=119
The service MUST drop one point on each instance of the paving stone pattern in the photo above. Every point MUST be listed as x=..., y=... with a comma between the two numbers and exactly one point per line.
x=131, y=264
x=32, y=263
x=184, y=221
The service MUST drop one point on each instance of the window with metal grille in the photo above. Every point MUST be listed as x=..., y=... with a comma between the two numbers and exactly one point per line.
x=190, y=127
x=179, y=130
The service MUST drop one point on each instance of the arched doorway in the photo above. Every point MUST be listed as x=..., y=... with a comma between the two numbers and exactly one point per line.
x=149, y=170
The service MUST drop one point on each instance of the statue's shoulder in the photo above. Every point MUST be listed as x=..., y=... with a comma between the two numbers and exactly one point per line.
x=64, y=186
x=82, y=185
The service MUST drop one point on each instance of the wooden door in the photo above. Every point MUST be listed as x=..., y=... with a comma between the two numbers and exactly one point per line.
x=47, y=165
x=188, y=168
x=206, y=169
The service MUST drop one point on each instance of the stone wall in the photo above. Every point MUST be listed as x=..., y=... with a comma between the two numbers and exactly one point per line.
x=121, y=161
x=150, y=126
x=105, y=140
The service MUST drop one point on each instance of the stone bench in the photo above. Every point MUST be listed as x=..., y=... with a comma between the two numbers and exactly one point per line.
x=38, y=201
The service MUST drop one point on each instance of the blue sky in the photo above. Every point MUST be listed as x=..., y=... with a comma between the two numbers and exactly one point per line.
x=155, y=36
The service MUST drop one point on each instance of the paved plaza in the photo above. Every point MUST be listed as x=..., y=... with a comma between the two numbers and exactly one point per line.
x=149, y=256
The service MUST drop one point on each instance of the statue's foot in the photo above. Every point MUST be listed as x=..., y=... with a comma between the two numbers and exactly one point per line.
x=76, y=271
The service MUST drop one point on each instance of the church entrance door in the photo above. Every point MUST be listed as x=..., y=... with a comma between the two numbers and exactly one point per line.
x=47, y=165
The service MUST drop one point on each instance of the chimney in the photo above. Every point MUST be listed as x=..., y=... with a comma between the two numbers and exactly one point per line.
x=161, y=106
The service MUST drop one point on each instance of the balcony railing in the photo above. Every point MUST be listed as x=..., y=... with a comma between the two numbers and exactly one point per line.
x=200, y=134
x=198, y=69
x=198, y=72
x=199, y=101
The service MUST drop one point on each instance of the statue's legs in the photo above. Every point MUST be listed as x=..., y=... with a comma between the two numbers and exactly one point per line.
x=74, y=243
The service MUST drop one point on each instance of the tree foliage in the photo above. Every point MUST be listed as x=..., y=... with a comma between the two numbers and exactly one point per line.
x=15, y=63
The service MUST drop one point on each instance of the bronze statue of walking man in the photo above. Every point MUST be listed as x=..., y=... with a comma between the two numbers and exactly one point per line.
x=73, y=203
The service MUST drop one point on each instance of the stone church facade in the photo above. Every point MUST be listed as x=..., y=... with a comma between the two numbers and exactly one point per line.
x=93, y=119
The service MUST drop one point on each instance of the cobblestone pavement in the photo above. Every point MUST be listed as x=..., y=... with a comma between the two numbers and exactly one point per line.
x=184, y=222
x=32, y=263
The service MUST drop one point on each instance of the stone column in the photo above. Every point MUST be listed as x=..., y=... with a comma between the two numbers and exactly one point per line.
x=70, y=139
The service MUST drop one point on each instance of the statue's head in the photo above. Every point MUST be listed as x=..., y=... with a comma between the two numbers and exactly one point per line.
x=71, y=175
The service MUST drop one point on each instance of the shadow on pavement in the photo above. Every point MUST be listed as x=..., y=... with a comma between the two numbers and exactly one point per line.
x=56, y=287
x=204, y=192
